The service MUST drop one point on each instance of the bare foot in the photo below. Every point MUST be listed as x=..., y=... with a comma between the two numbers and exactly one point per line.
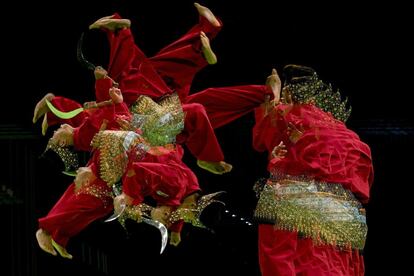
x=44, y=124
x=95, y=25
x=45, y=242
x=215, y=167
x=62, y=251
x=41, y=107
x=274, y=83
x=207, y=51
x=206, y=12
x=110, y=23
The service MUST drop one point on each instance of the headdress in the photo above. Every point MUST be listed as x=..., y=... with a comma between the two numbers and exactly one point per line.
x=305, y=86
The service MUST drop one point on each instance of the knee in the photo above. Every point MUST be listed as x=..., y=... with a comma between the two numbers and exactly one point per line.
x=194, y=109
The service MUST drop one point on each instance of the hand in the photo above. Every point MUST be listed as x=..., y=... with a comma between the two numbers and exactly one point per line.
x=99, y=73
x=279, y=151
x=123, y=122
x=121, y=200
x=84, y=177
x=274, y=83
x=89, y=105
x=116, y=95
x=63, y=136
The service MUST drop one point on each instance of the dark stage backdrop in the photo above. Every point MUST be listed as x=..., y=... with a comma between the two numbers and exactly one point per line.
x=362, y=49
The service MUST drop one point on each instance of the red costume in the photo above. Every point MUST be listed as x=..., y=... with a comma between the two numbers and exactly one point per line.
x=176, y=63
x=321, y=149
x=163, y=177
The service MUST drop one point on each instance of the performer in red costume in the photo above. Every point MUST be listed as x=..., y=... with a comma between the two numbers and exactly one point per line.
x=89, y=197
x=310, y=209
x=137, y=77
x=177, y=64
x=157, y=172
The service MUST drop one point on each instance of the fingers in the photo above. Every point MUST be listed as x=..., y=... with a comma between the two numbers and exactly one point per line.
x=279, y=151
x=116, y=95
x=123, y=123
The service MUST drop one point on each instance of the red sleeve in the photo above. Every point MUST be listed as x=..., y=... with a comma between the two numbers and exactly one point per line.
x=82, y=135
x=258, y=135
x=102, y=87
x=269, y=129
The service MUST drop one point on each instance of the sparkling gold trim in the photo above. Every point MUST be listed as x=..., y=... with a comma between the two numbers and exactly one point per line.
x=325, y=212
x=114, y=147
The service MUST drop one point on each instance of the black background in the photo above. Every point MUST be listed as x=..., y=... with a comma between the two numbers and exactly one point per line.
x=362, y=49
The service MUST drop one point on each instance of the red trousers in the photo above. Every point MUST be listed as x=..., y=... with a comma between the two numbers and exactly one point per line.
x=284, y=253
x=176, y=64
x=72, y=213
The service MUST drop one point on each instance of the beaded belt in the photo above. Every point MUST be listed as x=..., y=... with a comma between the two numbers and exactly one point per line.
x=325, y=212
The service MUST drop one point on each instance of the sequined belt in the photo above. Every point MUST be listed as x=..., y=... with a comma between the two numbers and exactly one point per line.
x=325, y=212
